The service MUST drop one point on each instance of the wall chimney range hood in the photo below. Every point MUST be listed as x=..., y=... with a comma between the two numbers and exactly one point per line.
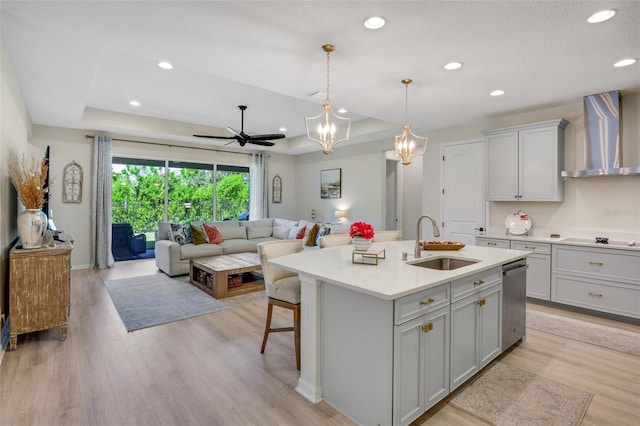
x=602, y=148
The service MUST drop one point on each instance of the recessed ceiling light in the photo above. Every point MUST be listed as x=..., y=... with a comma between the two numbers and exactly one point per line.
x=134, y=103
x=165, y=65
x=282, y=129
x=453, y=66
x=342, y=110
x=497, y=93
x=374, y=22
x=601, y=16
x=624, y=62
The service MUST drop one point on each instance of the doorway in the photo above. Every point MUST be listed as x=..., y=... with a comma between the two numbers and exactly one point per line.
x=463, y=190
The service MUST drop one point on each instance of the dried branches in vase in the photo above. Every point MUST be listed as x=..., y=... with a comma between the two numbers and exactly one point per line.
x=29, y=180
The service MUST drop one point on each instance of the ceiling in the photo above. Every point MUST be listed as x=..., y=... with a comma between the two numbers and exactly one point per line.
x=79, y=63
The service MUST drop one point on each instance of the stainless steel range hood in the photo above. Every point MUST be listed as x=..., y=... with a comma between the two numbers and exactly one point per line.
x=602, y=149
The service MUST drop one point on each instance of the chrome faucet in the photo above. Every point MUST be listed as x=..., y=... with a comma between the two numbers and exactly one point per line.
x=436, y=232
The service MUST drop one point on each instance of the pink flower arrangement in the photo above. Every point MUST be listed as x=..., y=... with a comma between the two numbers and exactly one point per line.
x=361, y=229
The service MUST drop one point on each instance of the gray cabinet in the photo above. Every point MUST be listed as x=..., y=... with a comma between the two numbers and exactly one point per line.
x=476, y=324
x=605, y=280
x=421, y=355
x=524, y=162
x=539, y=271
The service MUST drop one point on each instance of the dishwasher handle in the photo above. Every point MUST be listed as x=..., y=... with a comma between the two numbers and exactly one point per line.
x=515, y=270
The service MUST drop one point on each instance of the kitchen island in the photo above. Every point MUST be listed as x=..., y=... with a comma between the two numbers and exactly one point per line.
x=383, y=343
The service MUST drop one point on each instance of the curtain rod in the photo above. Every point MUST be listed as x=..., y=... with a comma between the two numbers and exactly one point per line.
x=170, y=146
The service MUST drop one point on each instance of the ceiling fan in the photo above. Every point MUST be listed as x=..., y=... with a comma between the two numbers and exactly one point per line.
x=242, y=138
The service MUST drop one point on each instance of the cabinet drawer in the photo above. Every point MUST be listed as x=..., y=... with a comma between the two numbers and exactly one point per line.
x=475, y=283
x=492, y=242
x=414, y=305
x=539, y=248
x=622, y=299
x=609, y=264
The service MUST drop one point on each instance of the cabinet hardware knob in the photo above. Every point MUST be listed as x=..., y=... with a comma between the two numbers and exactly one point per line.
x=479, y=282
x=492, y=244
x=591, y=262
x=515, y=196
x=428, y=302
x=595, y=294
x=427, y=327
x=481, y=302
x=530, y=247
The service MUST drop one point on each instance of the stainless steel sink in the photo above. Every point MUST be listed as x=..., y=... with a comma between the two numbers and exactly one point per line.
x=443, y=263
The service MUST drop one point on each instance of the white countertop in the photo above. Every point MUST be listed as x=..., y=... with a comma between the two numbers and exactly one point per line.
x=392, y=277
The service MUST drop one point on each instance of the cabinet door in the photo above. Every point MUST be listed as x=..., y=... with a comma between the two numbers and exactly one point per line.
x=421, y=365
x=490, y=324
x=464, y=340
x=502, y=169
x=436, y=357
x=539, y=173
x=408, y=386
x=539, y=276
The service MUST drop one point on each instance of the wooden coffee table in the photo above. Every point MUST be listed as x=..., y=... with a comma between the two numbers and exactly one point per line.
x=211, y=274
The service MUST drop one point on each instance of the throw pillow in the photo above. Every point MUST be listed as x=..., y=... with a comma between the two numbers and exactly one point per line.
x=311, y=241
x=325, y=230
x=180, y=233
x=197, y=234
x=213, y=234
x=301, y=232
x=258, y=232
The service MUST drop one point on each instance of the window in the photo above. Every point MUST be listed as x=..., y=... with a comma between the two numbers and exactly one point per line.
x=139, y=196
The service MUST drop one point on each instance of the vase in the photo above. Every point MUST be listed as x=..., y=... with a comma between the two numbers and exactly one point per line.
x=361, y=244
x=31, y=226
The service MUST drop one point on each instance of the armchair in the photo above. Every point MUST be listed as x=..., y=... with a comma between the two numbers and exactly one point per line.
x=124, y=244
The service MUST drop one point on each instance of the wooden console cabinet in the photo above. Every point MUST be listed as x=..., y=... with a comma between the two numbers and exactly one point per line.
x=39, y=290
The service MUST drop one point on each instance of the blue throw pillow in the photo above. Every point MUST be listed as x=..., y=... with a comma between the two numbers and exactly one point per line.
x=325, y=230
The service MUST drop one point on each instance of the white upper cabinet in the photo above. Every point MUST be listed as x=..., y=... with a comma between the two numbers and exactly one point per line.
x=524, y=162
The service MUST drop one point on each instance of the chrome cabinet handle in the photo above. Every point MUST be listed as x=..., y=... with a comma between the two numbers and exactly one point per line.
x=428, y=302
x=591, y=262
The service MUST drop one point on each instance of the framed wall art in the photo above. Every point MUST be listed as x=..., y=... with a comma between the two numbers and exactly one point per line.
x=72, y=183
x=331, y=183
x=276, y=189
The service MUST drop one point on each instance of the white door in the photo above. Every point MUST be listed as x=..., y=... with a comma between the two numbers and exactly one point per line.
x=463, y=190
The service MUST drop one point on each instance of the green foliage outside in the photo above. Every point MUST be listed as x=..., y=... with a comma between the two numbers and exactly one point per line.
x=138, y=196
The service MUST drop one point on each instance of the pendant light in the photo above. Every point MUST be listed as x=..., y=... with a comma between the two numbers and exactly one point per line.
x=408, y=144
x=327, y=128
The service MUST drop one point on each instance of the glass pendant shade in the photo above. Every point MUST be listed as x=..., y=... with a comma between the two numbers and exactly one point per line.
x=327, y=128
x=408, y=144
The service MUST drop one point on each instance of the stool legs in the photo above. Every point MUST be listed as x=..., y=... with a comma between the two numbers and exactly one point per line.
x=296, y=325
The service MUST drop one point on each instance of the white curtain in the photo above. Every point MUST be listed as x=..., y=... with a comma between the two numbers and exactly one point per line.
x=101, y=209
x=258, y=187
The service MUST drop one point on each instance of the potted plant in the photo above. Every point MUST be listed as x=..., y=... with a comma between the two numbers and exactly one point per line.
x=362, y=234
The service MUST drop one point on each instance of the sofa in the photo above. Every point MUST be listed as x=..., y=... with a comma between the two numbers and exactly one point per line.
x=175, y=244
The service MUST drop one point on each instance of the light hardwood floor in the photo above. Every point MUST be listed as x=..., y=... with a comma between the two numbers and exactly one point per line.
x=208, y=370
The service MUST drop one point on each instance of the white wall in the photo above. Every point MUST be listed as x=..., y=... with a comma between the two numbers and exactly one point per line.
x=14, y=131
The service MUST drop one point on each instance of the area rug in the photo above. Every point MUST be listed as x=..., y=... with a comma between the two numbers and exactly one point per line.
x=585, y=331
x=156, y=299
x=505, y=395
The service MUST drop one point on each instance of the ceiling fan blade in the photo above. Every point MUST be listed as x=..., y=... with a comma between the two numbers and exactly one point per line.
x=267, y=137
x=214, y=137
x=234, y=131
x=259, y=142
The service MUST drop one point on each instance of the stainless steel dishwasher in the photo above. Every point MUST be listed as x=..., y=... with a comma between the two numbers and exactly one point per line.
x=514, y=302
